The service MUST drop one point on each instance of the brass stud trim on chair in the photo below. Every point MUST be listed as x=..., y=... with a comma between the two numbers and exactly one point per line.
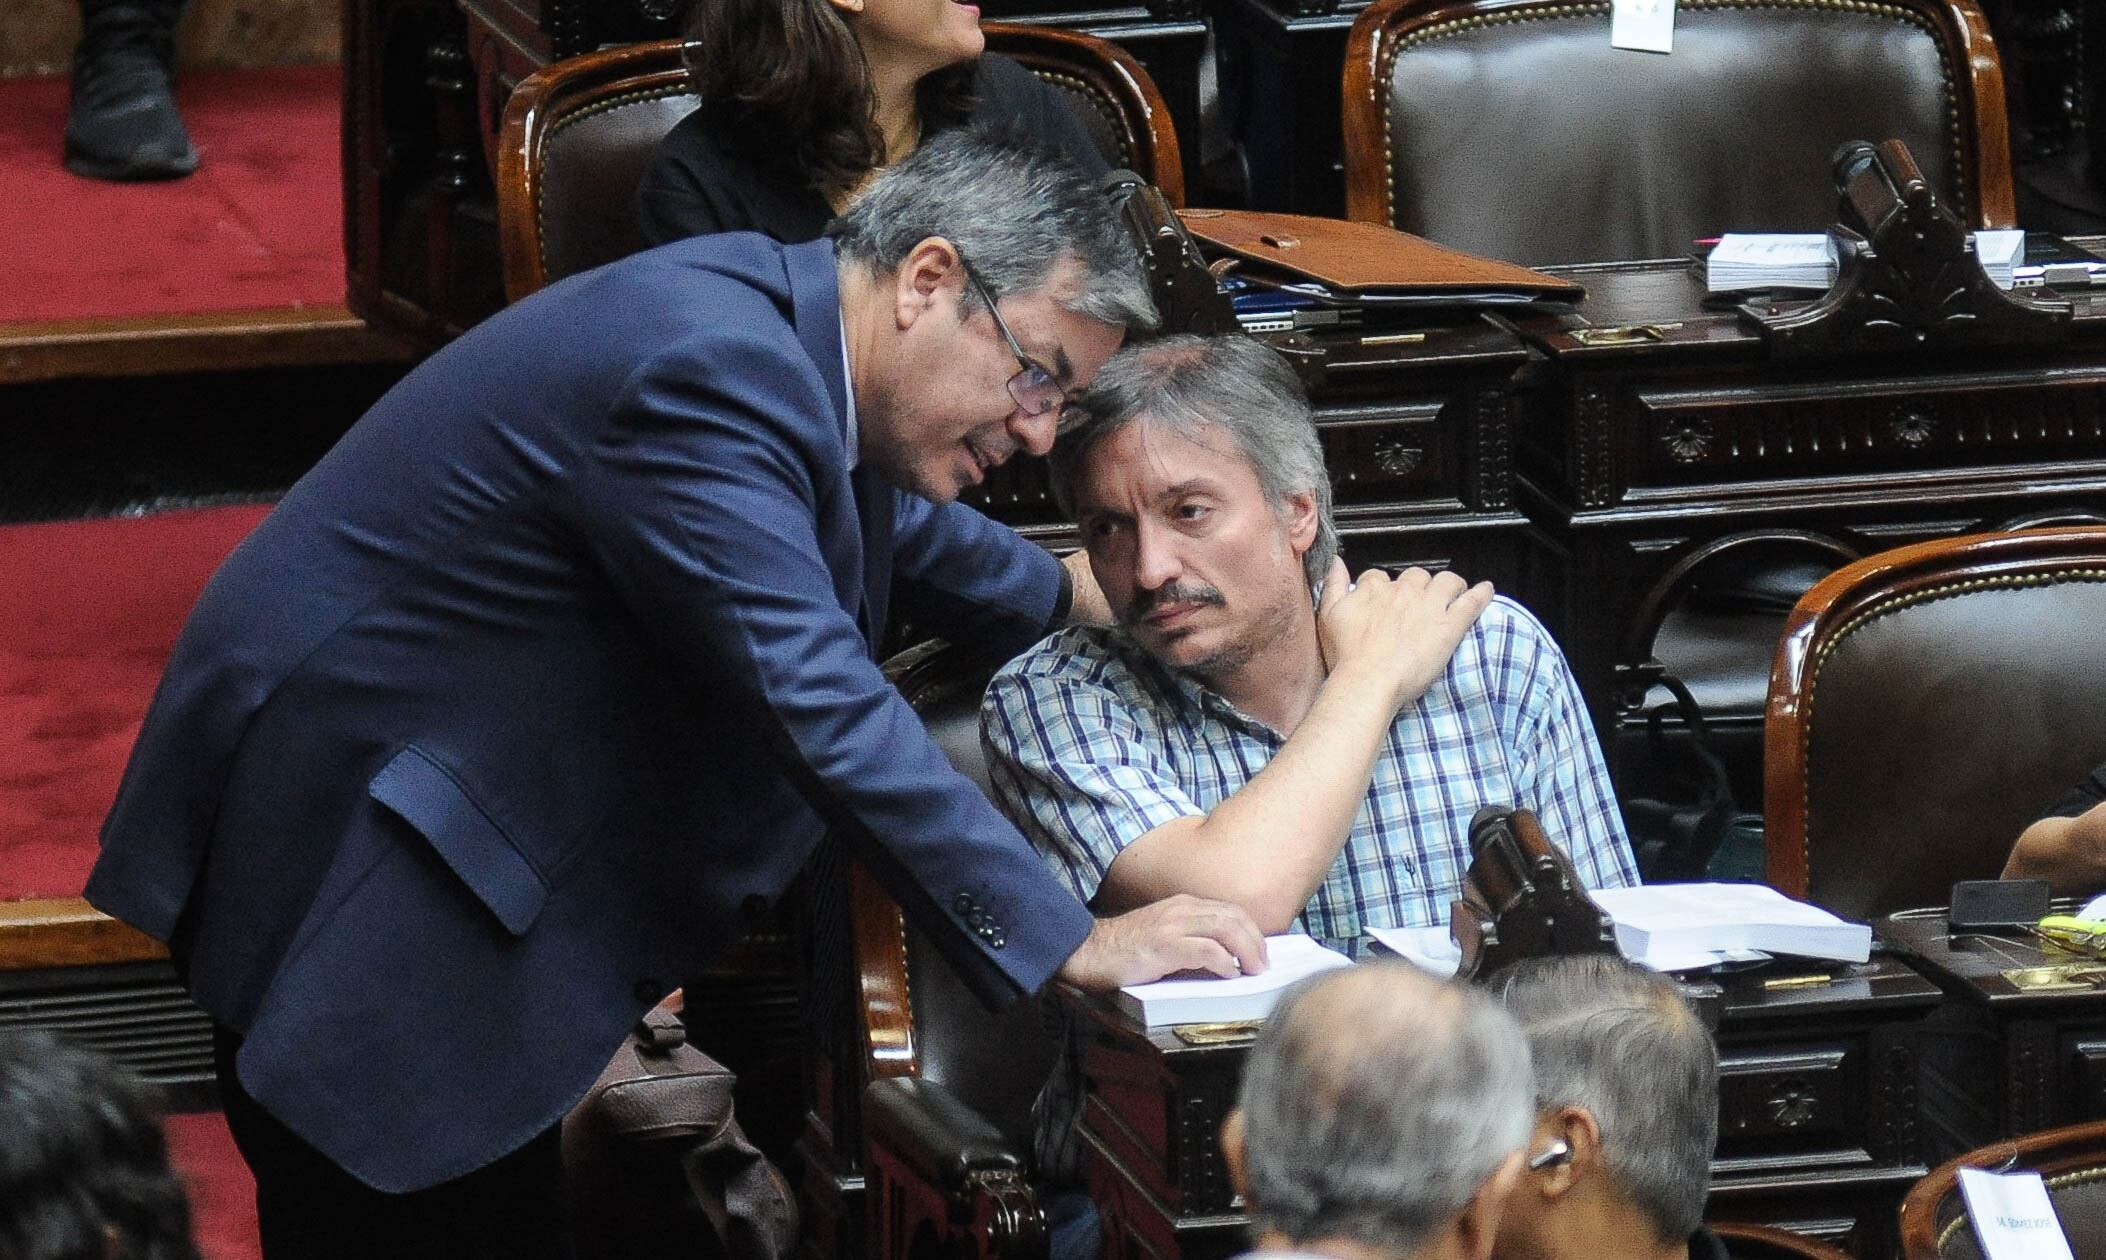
x=559, y=126
x=1107, y=109
x=1386, y=58
x=2082, y=1176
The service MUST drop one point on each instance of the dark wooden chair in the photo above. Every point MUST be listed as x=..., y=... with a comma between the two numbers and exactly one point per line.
x=2072, y=1161
x=1767, y=1242
x=1925, y=704
x=946, y=1111
x=578, y=133
x=1511, y=128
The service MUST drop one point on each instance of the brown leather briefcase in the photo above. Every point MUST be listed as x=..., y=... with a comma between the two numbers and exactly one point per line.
x=658, y=1166
x=1362, y=260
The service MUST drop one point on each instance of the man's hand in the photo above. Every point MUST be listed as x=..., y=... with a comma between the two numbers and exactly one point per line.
x=1180, y=933
x=1088, y=606
x=1395, y=633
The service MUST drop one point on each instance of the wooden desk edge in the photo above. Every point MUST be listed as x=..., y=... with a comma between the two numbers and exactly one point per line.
x=68, y=932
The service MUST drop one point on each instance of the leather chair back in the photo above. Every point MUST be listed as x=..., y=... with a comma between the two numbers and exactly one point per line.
x=1925, y=705
x=2072, y=1161
x=579, y=132
x=1511, y=128
x=924, y=1020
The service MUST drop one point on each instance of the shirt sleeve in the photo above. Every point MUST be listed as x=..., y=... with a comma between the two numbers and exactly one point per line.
x=702, y=505
x=2089, y=791
x=1558, y=766
x=1074, y=768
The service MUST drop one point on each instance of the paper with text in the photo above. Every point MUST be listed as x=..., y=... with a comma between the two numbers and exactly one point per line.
x=1642, y=25
x=2013, y=1216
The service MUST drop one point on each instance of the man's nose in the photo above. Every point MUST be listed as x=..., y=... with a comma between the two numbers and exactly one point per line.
x=1155, y=562
x=1035, y=433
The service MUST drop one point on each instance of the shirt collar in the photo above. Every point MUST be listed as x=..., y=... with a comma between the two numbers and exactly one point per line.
x=848, y=376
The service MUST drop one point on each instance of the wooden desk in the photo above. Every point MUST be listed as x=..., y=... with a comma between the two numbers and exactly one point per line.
x=2041, y=1053
x=1685, y=438
x=1817, y=1117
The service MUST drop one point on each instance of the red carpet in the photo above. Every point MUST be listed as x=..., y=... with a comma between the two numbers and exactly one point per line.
x=222, y=1193
x=260, y=225
x=89, y=613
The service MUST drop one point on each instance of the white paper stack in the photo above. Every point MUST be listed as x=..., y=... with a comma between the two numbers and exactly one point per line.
x=1666, y=925
x=1771, y=260
x=1999, y=251
x=1430, y=949
x=1211, y=1000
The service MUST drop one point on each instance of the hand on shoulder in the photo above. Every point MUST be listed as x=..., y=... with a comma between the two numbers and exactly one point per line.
x=1396, y=632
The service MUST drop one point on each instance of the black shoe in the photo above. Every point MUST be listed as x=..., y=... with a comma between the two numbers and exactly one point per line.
x=124, y=124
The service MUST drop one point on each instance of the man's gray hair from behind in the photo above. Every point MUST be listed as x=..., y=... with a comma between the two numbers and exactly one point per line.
x=1187, y=383
x=1618, y=1039
x=1015, y=210
x=1376, y=1102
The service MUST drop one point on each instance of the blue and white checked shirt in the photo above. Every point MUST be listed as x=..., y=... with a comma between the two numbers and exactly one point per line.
x=1091, y=743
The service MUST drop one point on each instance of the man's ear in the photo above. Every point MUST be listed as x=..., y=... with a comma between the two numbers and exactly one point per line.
x=1300, y=514
x=1478, y=1226
x=1232, y=1151
x=930, y=271
x=1576, y=1127
x=847, y=8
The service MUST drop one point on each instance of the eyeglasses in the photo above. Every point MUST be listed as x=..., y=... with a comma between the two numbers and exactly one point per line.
x=1033, y=387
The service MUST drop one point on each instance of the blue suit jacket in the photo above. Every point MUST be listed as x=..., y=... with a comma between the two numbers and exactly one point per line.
x=542, y=681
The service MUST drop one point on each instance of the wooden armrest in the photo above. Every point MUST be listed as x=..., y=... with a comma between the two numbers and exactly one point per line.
x=68, y=932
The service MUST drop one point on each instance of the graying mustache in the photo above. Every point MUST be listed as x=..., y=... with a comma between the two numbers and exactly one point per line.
x=1146, y=602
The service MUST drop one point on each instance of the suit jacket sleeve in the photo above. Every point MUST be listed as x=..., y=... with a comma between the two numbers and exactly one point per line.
x=973, y=580
x=702, y=503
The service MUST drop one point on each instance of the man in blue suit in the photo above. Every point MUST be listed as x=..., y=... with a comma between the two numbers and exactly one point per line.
x=550, y=675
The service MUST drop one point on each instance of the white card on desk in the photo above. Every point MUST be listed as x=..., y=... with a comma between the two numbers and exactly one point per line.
x=1642, y=25
x=2012, y=1216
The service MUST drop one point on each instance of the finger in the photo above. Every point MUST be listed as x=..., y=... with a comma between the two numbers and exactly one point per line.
x=1335, y=583
x=1231, y=925
x=1198, y=953
x=1414, y=578
x=1446, y=585
x=1475, y=600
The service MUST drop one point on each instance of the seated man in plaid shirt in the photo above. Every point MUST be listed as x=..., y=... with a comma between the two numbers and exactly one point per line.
x=1257, y=728
x=1314, y=758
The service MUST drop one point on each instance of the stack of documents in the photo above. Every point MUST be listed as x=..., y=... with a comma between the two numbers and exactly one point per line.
x=1213, y=1001
x=1806, y=260
x=1999, y=251
x=1771, y=260
x=1666, y=926
x=1682, y=927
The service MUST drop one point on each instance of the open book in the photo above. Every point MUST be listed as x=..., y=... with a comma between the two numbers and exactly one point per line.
x=1211, y=1000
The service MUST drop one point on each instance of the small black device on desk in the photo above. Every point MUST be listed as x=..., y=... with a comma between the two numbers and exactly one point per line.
x=1989, y=905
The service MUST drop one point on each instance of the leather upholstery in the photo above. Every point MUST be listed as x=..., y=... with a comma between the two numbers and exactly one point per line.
x=591, y=163
x=1929, y=702
x=1520, y=133
x=2071, y=1160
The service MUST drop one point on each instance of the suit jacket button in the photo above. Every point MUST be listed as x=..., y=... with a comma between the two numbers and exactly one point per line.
x=975, y=917
x=996, y=940
x=649, y=992
x=962, y=903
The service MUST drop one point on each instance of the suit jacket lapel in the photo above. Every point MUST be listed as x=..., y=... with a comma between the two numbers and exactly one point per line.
x=815, y=297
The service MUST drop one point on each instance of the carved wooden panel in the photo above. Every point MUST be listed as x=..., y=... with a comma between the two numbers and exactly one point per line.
x=1790, y=1104
x=1691, y=436
x=2086, y=1056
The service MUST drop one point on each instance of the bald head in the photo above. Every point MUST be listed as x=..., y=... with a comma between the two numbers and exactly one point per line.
x=1375, y=1104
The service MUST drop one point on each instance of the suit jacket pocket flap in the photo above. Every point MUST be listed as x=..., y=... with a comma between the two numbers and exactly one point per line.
x=428, y=799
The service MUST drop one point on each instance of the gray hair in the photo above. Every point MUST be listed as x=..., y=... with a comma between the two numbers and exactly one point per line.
x=1376, y=1102
x=1618, y=1039
x=1014, y=210
x=1188, y=383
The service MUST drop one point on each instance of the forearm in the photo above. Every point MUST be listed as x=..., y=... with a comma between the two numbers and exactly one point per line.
x=2049, y=850
x=1268, y=847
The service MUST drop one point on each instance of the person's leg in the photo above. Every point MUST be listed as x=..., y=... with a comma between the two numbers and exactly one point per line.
x=308, y=1208
x=123, y=124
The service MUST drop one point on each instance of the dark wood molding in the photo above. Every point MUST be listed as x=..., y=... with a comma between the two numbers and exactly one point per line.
x=1835, y=606
x=45, y=932
x=220, y=341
